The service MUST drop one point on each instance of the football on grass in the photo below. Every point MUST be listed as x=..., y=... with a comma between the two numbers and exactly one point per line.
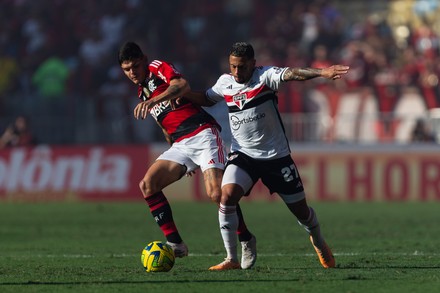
x=157, y=256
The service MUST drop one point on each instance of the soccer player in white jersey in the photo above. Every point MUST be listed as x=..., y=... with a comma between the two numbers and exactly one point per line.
x=259, y=147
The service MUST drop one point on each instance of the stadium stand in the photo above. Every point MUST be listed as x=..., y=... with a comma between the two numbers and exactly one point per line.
x=388, y=46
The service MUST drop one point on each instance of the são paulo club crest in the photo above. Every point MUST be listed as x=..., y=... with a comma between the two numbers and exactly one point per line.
x=239, y=100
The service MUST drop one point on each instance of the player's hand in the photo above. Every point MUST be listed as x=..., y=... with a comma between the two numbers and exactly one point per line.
x=141, y=110
x=334, y=71
x=190, y=173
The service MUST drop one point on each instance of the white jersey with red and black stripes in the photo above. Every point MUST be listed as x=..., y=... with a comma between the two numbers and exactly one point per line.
x=256, y=126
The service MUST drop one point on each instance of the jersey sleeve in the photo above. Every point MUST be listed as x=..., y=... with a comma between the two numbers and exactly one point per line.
x=215, y=93
x=273, y=76
x=164, y=70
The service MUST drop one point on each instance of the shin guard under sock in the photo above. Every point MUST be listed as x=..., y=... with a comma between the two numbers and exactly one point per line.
x=311, y=225
x=161, y=211
x=228, y=221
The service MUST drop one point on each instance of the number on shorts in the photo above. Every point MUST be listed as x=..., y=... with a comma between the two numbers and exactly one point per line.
x=289, y=173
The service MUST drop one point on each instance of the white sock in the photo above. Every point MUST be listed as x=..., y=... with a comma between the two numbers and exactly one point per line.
x=228, y=220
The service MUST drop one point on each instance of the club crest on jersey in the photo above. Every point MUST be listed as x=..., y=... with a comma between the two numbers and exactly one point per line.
x=151, y=86
x=239, y=100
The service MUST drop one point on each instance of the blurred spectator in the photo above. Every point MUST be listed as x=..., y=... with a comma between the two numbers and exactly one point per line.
x=113, y=104
x=425, y=41
x=33, y=30
x=93, y=51
x=320, y=57
x=50, y=78
x=112, y=23
x=421, y=132
x=18, y=134
x=8, y=76
x=310, y=28
x=353, y=56
x=429, y=82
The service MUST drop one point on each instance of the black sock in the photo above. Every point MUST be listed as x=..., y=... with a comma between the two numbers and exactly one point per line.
x=161, y=211
x=243, y=233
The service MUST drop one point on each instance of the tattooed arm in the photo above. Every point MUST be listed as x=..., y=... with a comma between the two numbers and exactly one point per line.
x=332, y=72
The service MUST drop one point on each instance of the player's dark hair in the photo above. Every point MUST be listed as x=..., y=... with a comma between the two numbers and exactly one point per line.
x=130, y=51
x=242, y=49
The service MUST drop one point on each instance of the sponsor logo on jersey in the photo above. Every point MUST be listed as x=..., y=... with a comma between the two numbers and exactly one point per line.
x=237, y=122
x=159, y=108
x=239, y=100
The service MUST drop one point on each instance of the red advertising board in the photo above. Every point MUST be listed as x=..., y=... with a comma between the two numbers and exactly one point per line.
x=114, y=172
x=371, y=175
x=72, y=173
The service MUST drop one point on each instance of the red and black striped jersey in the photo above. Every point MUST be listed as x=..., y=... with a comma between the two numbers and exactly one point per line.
x=186, y=119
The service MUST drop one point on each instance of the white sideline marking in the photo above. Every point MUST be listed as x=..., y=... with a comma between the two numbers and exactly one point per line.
x=124, y=255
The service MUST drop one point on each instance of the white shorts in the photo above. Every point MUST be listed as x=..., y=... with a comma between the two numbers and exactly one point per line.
x=235, y=175
x=205, y=150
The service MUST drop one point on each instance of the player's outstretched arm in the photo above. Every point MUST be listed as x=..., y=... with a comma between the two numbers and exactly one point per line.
x=199, y=98
x=332, y=72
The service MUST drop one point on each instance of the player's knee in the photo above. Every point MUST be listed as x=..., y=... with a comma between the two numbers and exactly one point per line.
x=147, y=187
x=215, y=195
x=143, y=188
x=229, y=199
x=231, y=194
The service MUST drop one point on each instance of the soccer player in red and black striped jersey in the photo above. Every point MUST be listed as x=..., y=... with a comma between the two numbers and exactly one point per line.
x=192, y=133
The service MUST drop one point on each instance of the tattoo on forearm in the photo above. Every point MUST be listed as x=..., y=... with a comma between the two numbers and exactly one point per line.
x=173, y=90
x=301, y=73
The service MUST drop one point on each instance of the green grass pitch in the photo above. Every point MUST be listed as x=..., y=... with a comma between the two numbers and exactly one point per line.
x=96, y=247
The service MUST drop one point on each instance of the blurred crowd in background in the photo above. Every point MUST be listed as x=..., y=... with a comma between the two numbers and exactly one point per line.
x=59, y=69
